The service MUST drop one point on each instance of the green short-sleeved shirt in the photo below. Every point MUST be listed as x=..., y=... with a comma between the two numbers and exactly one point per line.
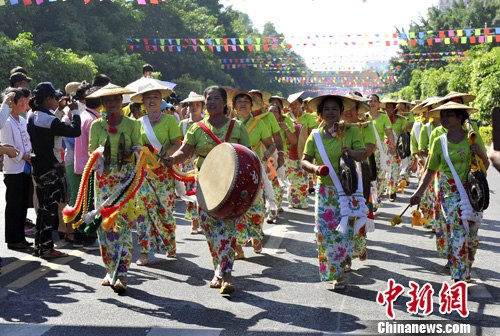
x=291, y=128
x=333, y=147
x=459, y=155
x=423, y=141
x=399, y=126
x=413, y=137
x=203, y=143
x=441, y=130
x=166, y=130
x=99, y=133
x=259, y=132
x=306, y=119
x=410, y=117
x=368, y=134
x=184, y=125
x=382, y=122
x=270, y=121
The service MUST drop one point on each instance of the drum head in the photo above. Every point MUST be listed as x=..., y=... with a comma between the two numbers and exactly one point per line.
x=348, y=175
x=217, y=177
x=403, y=145
x=478, y=191
x=301, y=141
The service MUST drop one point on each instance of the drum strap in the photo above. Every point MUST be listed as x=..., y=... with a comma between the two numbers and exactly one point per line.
x=467, y=213
x=213, y=136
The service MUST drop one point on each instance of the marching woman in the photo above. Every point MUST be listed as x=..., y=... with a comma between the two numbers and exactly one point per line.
x=194, y=114
x=259, y=133
x=156, y=230
x=299, y=182
x=386, y=149
x=118, y=135
x=288, y=138
x=220, y=233
x=403, y=109
x=356, y=115
x=337, y=216
x=398, y=126
x=450, y=154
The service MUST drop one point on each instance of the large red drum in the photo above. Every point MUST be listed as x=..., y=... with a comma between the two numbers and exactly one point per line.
x=229, y=181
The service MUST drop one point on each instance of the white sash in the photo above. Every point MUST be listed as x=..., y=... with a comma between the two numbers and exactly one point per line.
x=150, y=133
x=468, y=214
x=383, y=155
x=417, y=127
x=429, y=132
x=347, y=209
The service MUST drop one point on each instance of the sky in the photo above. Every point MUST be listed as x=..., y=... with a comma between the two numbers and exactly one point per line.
x=328, y=22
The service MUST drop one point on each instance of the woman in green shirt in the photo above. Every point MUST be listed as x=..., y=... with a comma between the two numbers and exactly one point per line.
x=386, y=149
x=220, y=233
x=159, y=131
x=288, y=137
x=116, y=244
x=259, y=133
x=337, y=217
x=461, y=219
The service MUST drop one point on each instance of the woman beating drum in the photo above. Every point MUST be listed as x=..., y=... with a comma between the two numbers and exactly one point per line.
x=251, y=227
x=452, y=155
x=196, y=103
x=118, y=135
x=156, y=229
x=220, y=233
x=338, y=216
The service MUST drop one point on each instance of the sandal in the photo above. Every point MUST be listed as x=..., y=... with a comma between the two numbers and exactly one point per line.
x=143, y=260
x=257, y=247
x=362, y=256
x=106, y=281
x=172, y=253
x=52, y=254
x=239, y=253
x=120, y=286
x=216, y=282
x=69, y=237
x=340, y=283
x=227, y=288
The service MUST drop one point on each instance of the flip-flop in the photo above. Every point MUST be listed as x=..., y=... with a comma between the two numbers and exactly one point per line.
x=227, y=288
x=215, y=283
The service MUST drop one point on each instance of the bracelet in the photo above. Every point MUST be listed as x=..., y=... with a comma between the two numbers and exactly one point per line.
x=281, y=152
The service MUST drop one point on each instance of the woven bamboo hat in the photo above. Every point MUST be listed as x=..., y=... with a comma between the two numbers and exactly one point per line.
x=110, y=90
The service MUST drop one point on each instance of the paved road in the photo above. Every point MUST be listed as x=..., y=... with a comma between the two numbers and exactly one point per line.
x=278, y=292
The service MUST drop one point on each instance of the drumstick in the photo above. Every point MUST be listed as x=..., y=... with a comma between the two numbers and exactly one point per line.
x=398, y=219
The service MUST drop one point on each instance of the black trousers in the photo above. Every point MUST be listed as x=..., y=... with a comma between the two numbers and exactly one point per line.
x=50, y=190
x=16, y=198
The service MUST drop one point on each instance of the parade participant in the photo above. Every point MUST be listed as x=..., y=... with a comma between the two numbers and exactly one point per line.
x=91, y=113
x=428, y=205
x=386, y=150
x=398, y=126
x=335, y=214
x=156, y=230
x=16, y=169
x=450, y=155
x=288, y=138
x=48, y=172
x=403, y=109
x=299, y=183
x=417, y=160
x=118, y=134
x=220, y=233
x=259, y=133
x=196, y=104
x=270, y=121
x=355, y=115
